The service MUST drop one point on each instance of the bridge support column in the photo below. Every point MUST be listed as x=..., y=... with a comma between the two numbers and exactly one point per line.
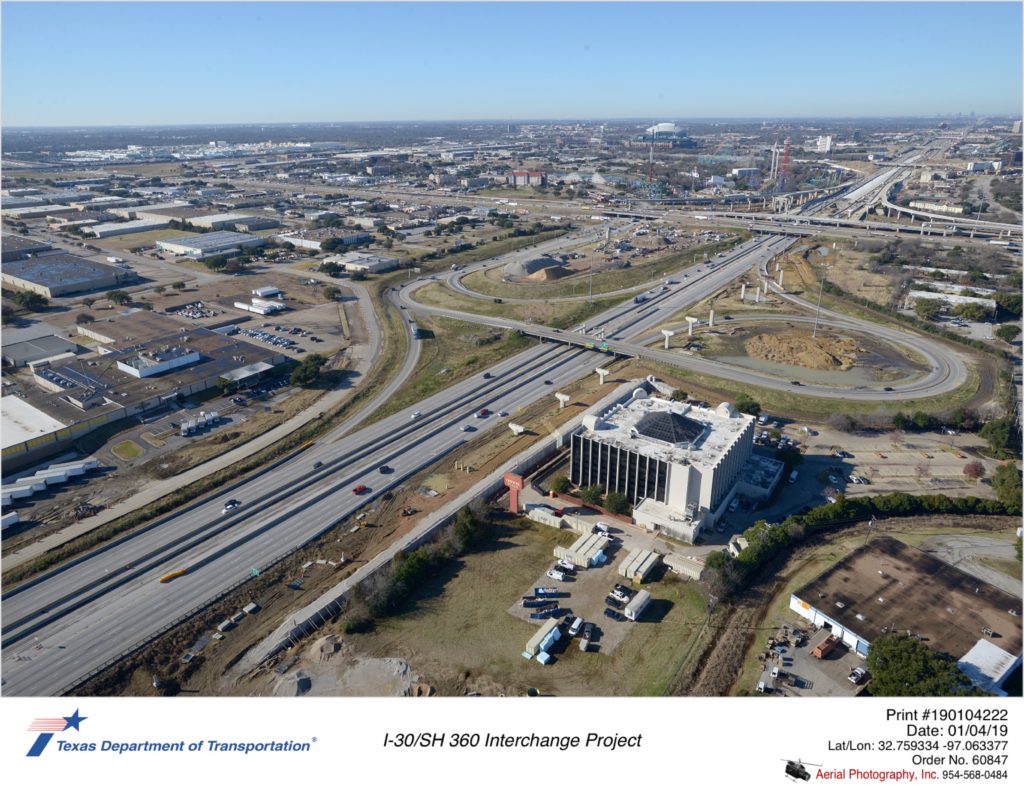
x=757, y=294
x=743, y=292
x=563, y=399
x=711, y=319
x=781, y=273
x=601, y=374
x=690, y=321
x=668, y=334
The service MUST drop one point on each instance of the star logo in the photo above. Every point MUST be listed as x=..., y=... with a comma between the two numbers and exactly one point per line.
x=47, y=726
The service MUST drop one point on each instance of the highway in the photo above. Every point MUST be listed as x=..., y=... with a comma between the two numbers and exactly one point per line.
x=66, y=623
x=628, y=336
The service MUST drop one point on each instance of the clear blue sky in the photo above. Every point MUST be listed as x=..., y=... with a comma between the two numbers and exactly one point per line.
x=148, y=63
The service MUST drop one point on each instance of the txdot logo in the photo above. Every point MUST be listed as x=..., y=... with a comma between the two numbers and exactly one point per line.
x=48, y=727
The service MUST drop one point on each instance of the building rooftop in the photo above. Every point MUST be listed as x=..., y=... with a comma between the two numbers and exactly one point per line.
x=890, y=587
x=61, y=269
x=203, y=241
x=670, y=431
x=19, y=246
x=21, y=421
x=220, y=355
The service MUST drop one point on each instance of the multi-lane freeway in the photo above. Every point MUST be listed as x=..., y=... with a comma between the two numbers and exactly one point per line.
x=63, y=625
x=947, y=369
x=66, y=623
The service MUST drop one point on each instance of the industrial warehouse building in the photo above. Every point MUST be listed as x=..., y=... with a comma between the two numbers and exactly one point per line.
x=678, y=465
x=363, y=262
x=16, y=248
x=54, y=274
x=314, y=238
x=139, y=367
x=888, y=587
x=206, y=245
x=102, y=230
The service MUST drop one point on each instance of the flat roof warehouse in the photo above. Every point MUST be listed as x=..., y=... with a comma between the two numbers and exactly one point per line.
x=889, y=587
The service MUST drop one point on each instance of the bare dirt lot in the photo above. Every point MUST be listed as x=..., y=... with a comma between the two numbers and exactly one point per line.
x=799, y=348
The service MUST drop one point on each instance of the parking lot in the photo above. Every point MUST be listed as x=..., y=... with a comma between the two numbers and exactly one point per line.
x=582, y=595
x=791, y=670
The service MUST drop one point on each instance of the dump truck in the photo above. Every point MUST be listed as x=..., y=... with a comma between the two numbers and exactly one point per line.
x=825, y=647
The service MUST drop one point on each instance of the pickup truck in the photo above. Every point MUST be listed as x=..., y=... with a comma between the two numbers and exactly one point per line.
x=825, y=647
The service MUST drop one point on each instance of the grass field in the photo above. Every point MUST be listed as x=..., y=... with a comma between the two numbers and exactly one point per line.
x=456, y=351
x=604, y=282
x=457, y=634
x=147, y=239
x=552, y=314
x=795, y=405
x=490, y=250
x=1009, y=567
x=127, y=450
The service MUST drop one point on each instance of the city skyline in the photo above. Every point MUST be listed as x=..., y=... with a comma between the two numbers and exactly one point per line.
x=277, y=63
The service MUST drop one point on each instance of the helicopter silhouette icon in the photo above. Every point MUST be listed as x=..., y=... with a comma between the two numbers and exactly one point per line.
x=797, y=770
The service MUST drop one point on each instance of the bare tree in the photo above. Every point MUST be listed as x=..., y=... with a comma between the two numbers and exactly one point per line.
x=974, y=470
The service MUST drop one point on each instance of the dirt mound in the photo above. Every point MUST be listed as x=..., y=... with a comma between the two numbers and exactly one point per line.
x=823, y=353
x=552, y=273
x=527, y=268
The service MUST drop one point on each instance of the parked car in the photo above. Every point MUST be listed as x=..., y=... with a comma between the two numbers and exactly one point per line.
x=615, y=615
x=857, y=675
x=565, y=565
x=556, y=575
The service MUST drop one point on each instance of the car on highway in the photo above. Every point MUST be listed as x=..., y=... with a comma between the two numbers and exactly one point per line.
x=887, y=389
x=230, y=506
x=548, y=382
x=414, y=415
x=482, y=413
x=503, y=413
x=468, y=427
x=487, y=375
x=795, y=382
x=317, y=465
x=361, y=489
x=384, y=469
